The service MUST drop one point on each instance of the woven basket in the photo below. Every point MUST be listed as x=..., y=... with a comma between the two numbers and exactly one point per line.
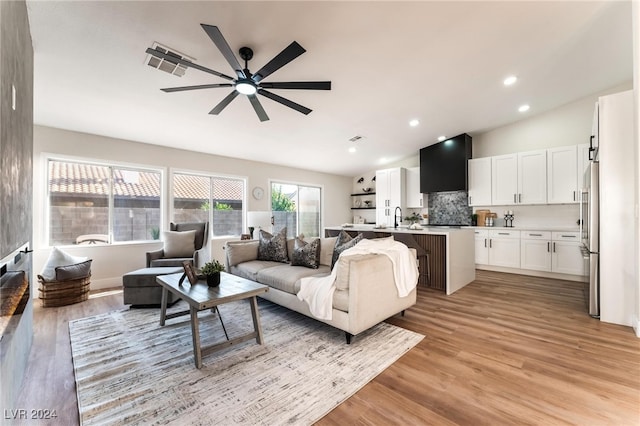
x=61, y=293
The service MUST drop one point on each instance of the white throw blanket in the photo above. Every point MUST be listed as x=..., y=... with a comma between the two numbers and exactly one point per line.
x=318, y=291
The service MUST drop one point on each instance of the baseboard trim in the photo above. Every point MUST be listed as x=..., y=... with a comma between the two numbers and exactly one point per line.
x=105, y=283
x=636, y=326
x=531, y=273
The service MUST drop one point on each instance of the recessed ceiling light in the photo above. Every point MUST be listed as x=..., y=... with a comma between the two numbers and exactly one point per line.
x=441, y=138
x=523, y=108
x=352, y=149
x=510, y=80
x=414, y=122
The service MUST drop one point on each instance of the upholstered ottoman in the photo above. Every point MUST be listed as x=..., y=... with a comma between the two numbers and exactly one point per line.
x=141, y=289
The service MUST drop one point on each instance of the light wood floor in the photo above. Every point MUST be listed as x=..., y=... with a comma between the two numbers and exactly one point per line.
x=506, y=349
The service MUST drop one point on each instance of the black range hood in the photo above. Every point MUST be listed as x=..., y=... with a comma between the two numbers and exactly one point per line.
x=443, y=166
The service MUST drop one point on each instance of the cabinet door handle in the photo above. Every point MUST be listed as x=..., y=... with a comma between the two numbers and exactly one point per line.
x=554, y=247
x=420, y=202
x=519, y=198
x=503, y=233
x=574, y=195
x=469, y=199
x=535, y=235
x=489, y=243
x=485, y=243
x=514, y=199
x=568, y=236
x=548, y=248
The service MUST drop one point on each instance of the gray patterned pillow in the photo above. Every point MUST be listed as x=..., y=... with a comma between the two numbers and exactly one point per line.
x=344, y=241
x=306, y=254
x=273, y=247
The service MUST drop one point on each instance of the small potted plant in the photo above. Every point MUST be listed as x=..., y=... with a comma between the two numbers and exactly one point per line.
x=211, y=270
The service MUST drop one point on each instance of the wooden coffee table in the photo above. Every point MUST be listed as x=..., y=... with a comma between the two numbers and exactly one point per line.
x=200, y=297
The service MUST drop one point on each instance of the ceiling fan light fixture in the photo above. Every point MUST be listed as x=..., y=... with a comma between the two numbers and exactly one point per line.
x=246, y=87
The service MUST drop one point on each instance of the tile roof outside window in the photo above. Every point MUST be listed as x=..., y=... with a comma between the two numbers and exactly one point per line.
x=77, y=178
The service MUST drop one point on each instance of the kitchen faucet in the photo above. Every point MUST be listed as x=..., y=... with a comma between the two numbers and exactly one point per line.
x=395, y=217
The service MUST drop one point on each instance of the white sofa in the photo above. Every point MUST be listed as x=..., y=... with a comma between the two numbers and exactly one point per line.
x=366, y=293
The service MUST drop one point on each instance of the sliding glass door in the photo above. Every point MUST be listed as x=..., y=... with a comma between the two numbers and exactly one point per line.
x=297, y=207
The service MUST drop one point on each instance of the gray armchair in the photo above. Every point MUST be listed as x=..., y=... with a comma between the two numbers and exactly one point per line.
x=177, y=245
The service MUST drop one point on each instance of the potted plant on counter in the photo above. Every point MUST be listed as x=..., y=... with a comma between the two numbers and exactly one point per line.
x=211, y=270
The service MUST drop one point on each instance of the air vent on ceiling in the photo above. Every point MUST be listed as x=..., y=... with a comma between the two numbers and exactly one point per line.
x=355, y=138
x=168, y=65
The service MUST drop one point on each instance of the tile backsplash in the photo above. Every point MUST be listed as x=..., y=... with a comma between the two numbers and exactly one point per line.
x=449, y=208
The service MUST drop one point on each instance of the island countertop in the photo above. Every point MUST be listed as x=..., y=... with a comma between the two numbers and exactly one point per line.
x=446, y=255
x=425, y=230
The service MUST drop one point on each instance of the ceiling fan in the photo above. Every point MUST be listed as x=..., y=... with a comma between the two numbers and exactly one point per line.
x=247, y=83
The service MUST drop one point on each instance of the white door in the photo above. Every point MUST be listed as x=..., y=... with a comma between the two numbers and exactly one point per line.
x=535, y=255
x=562, y=175
x=415, y=198
x=583, y=162
x=482, y=249
x=382, y=197
x=504, y=179
x=480, y=181
x=532, y=177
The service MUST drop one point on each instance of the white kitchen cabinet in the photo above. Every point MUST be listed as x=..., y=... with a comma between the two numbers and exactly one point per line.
x=535, y=250
x=504, y=179
x=482, y=246
x=562, y=175
x=414, y=198
x=390, y=193
x=519, y=178
x=532, y=177
x=480, y=181
x=583, y=162
x=566, y=257
x=504, y=248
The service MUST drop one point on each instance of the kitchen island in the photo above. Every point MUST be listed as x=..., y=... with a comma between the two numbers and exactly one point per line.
x=446, y=255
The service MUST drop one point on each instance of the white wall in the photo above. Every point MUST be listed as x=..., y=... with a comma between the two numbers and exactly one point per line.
x=635, y=8
x=111, y=262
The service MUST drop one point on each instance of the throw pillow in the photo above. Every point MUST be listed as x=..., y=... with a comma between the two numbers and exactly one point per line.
x=344, y=241
x=57, y=258
x=179, y=243
x=306, y=254
x=326, y=250
x=239, y=252
x=73, y=272
x=273, y=247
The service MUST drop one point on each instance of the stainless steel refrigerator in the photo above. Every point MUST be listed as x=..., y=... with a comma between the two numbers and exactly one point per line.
x=589, y=230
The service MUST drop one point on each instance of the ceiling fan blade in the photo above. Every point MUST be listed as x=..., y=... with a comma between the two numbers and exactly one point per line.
x=200, y=86
x=309, y=85
x=257, y=106
x=223, y=103
x=216, y=36
x=281, y=59
x=285, y=101
x=186, y=63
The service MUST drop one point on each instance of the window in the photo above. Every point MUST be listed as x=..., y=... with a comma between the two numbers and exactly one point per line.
x=214, y=199
x=96, y=203
x=297, y=207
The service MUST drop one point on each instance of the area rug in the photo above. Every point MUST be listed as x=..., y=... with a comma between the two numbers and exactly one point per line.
x=129, y=370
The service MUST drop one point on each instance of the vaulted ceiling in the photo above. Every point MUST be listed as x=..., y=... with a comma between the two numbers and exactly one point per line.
x=440, y=62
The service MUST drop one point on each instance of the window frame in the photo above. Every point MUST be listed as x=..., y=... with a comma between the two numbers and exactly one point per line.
x=210, y=175
x=46, y=217
x=299, y=184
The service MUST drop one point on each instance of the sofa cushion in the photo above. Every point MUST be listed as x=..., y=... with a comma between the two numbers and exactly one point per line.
x=179, y=243
x=250, y=269
x=306, y=254
x=201, y=229
x=326, y=250
x=344, y=242
x=172, y=262
x=273, y=247
x=238, y=252
x=284, y=277
x=73, y=272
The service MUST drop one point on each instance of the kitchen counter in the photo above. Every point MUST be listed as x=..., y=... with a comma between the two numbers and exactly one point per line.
x=530, y=228
x=446, y=255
